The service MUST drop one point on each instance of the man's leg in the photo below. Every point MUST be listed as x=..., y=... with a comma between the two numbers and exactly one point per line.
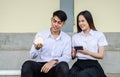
x=62, y=69
x=31, y=69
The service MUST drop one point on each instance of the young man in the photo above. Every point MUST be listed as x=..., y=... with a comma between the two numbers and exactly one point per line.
x=53, y=52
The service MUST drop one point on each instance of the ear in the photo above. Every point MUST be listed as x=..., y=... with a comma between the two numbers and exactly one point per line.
x=64, y=23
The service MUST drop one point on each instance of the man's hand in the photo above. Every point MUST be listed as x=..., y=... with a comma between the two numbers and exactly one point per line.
x=38, y=46
x=48, y=66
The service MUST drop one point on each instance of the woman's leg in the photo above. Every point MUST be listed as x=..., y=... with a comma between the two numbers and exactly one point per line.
x=74, y=71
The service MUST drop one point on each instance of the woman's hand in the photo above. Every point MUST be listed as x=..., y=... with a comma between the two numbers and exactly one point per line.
x=73, y=53
x=85, y=52
x=98, y=55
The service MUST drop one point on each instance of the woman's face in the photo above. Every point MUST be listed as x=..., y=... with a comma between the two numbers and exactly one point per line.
x=83, y=24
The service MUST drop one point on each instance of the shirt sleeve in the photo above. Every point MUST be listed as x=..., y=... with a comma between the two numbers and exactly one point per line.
x=102, y=40
x=34, y=52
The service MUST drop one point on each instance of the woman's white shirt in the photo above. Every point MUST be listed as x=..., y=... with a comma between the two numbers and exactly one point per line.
x=90, y=42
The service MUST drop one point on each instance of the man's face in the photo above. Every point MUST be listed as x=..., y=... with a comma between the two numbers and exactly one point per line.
x=56, y=24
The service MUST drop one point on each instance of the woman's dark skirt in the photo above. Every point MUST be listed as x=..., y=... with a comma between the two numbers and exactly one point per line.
x=86, y=68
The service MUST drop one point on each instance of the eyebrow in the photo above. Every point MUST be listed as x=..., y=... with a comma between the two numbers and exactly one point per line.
x=56, y=20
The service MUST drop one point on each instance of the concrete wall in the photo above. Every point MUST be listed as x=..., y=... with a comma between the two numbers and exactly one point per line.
x=16, y=41
x=23, y=41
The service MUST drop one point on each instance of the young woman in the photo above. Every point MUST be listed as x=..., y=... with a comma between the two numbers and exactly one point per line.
x=93, y=43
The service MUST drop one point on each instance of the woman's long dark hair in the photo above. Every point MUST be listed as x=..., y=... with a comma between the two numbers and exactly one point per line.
x=89, y=19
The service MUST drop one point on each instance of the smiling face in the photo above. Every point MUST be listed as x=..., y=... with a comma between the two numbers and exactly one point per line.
x=85, y=21
x=83, y=24
x=56, y=24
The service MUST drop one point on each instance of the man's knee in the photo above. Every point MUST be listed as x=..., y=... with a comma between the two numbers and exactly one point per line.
x=26, y=66
x=62, y=69
x=63, y=66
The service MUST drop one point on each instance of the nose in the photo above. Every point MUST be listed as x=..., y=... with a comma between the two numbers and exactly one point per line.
x=56, y=23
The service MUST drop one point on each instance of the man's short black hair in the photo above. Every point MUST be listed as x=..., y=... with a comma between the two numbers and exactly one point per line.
x=60, y=14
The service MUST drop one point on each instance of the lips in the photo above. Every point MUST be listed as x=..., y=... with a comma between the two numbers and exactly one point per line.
x=82, y=26
x=55, y=28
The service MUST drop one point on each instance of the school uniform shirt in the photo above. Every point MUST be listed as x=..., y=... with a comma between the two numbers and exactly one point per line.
x=90, y=42
x=59, y=48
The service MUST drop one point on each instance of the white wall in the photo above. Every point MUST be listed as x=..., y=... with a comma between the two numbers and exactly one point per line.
x=19, y=16
x=106, y=13
x=26, y=15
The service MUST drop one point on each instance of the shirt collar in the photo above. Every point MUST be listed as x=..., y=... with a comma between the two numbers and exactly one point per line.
x=91, y=32
x=50, y=35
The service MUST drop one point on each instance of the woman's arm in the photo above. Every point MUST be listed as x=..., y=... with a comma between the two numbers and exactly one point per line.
x=98, y=55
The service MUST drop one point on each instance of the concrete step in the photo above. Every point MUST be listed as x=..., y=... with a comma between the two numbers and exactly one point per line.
x=110, y=63
x=108, y=75
x=113, y=74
